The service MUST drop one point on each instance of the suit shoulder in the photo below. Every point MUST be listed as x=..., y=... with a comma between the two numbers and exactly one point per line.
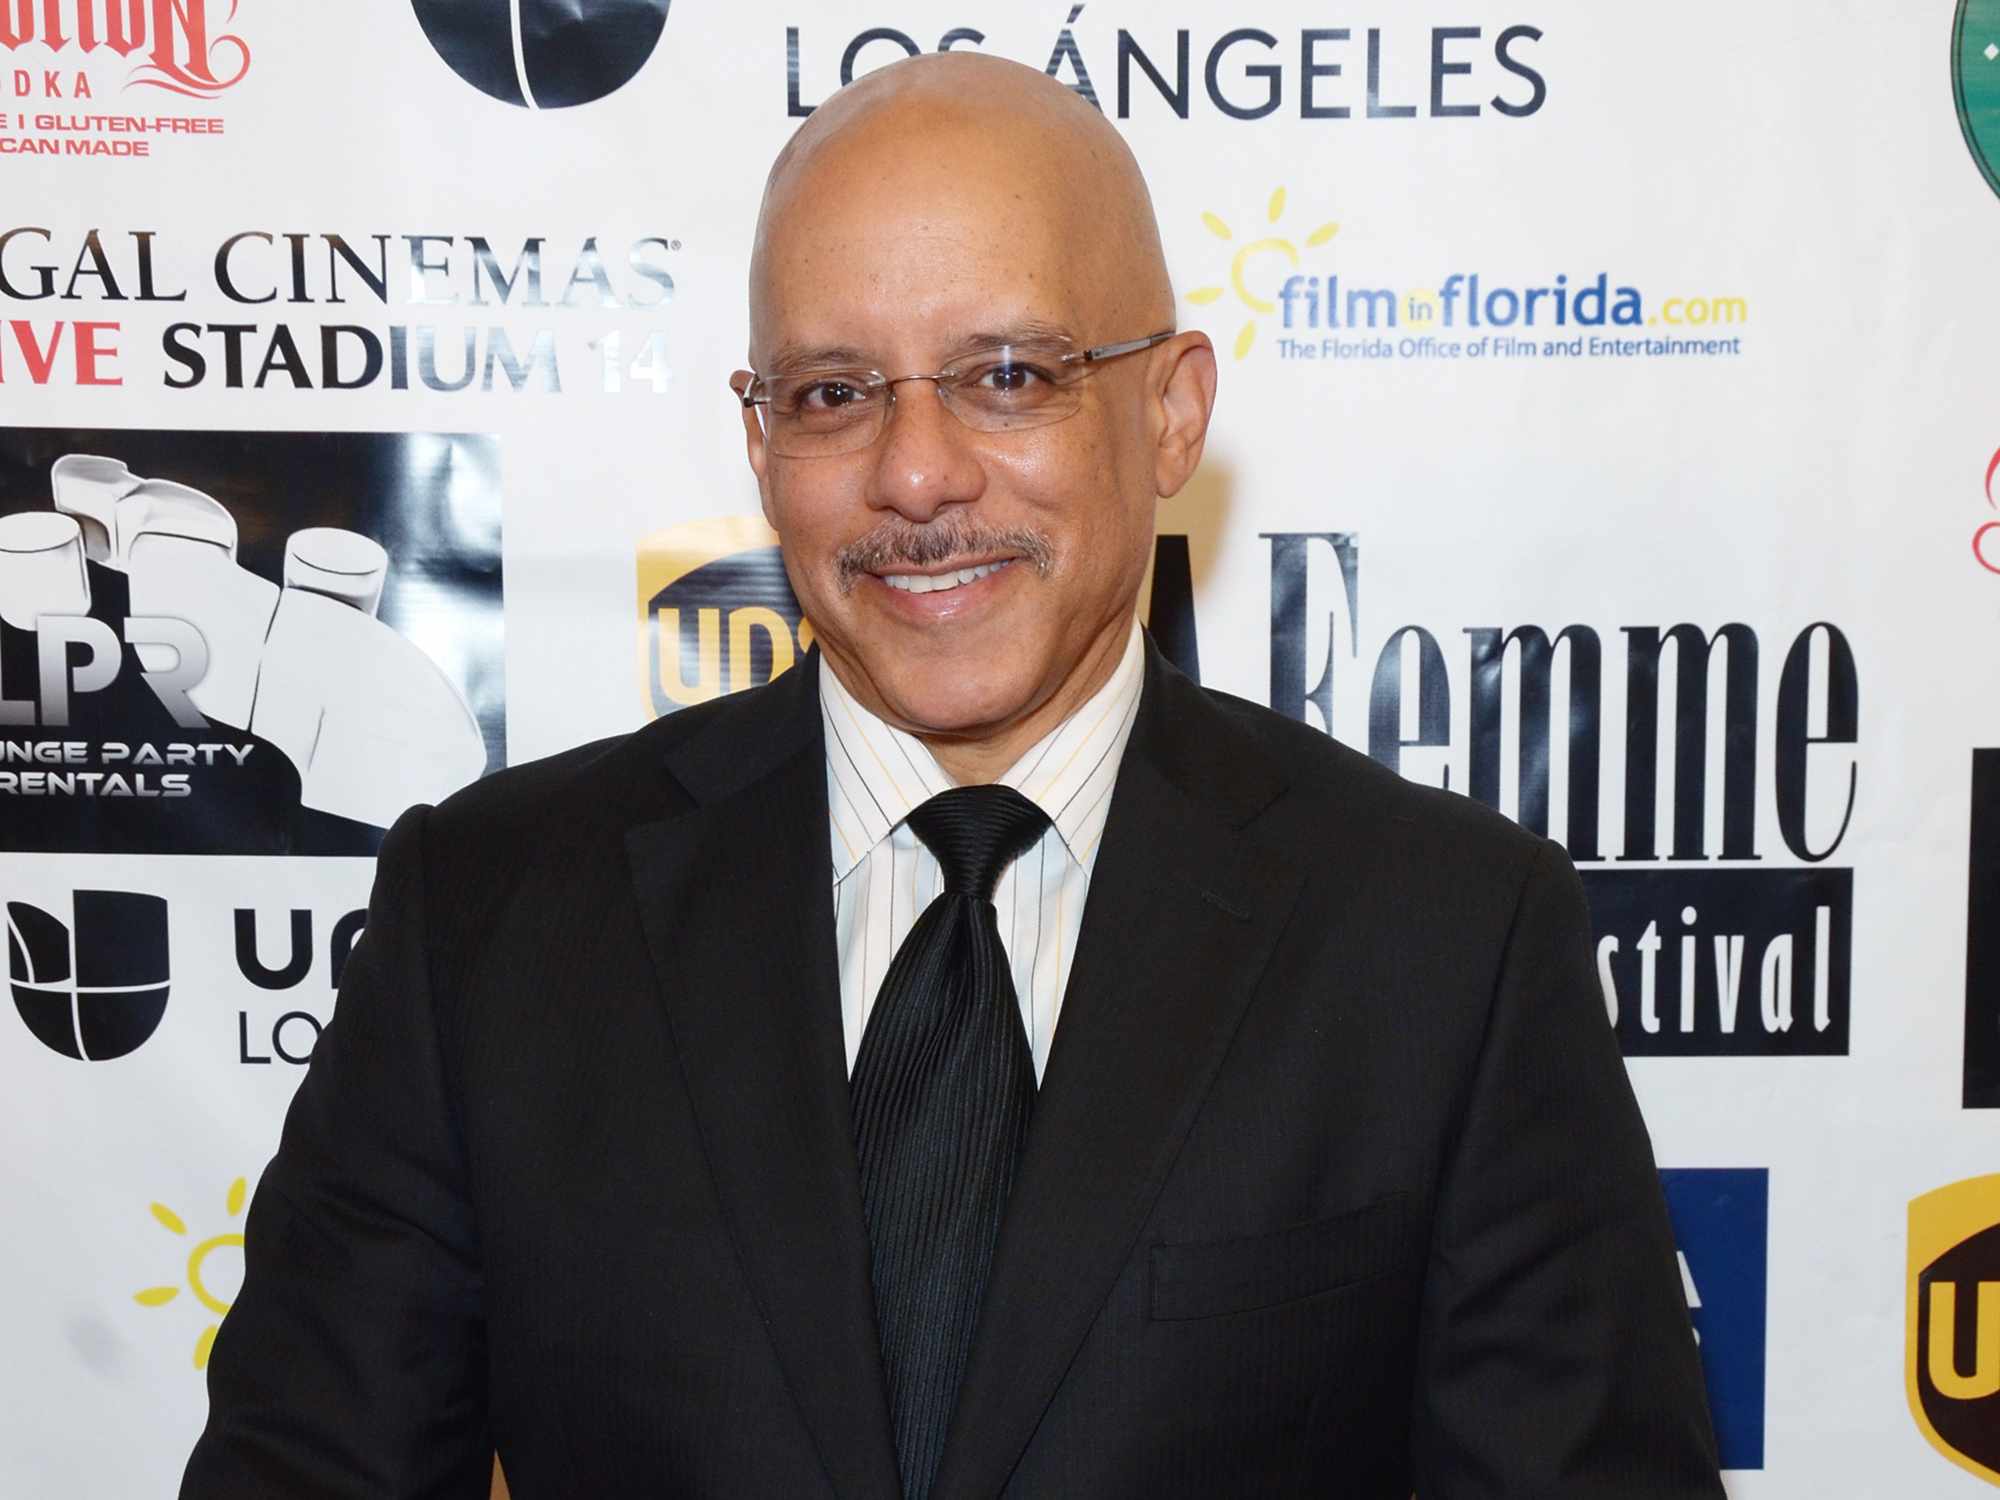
x=526, y=790
x=614, y=780
x=593, y=790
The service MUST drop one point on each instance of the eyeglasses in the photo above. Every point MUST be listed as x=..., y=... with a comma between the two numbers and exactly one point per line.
x=1003, y=389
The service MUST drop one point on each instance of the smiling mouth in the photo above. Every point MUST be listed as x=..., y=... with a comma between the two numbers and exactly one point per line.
x=931, y=583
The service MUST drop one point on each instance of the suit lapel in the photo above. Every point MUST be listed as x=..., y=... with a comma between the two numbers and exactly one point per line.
x=1181, y=918
x=736, y=899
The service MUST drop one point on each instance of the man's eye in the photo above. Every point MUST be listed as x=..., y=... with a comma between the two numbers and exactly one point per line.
x=1007, y=376
x=829, y=395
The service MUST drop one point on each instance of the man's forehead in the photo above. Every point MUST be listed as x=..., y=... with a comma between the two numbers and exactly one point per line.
x=921, y=200
x=940, y=344
x=919, y=211
x=974, y=114
x=946, y=277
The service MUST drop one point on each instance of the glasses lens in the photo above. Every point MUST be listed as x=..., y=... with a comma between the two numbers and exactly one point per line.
x=1014, y=386
x=829, y=411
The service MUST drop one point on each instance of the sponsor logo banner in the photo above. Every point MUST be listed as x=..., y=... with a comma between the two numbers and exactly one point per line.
x=1986, y=536
x=1294, y=302
x=544, y=54
x=1217, y=72
x=1975, y=82
x=290, y=963
x=90, y=983
x=242, y=643
x=1721, y=1220
x=533, y=319
x=716, y=612
x=1751, y=963
x=1952, y=1347
x=213, y=1271
x=1712, y=937
x=1982, y=937
x=89, y=975
x=96, y=78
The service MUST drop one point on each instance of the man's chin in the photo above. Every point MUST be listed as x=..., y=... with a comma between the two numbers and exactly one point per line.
x=956, y=716
x=954, y=701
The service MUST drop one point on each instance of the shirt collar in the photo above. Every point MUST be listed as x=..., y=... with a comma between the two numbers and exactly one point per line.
x=877, y=774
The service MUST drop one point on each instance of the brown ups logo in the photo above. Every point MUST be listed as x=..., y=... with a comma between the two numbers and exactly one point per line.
x=716, y=614
x=1952, y=1363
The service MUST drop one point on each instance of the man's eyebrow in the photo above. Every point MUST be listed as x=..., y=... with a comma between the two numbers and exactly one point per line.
x=793, y=357
x=790, y=357
x=1027, y=331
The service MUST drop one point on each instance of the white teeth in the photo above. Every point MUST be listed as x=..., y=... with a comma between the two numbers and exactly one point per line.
x=927, y=583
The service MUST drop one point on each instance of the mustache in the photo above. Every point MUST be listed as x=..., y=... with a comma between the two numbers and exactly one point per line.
x=925, y=546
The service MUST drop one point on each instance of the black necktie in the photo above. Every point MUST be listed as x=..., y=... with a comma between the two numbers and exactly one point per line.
x=942, y=1089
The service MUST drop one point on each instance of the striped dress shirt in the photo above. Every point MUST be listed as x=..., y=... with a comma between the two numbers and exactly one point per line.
x=883, y=876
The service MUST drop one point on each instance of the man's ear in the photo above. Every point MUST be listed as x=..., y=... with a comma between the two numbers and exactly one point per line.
x=1186, y=400
x=759, y=455
x=753, y=430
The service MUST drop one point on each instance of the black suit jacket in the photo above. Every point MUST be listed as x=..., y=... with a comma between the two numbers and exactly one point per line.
x=1335, y=1185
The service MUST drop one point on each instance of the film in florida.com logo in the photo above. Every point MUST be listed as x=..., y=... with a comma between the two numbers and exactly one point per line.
x=1281, y=279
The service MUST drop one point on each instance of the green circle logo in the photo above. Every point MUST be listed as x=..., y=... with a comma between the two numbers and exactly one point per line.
x=1975, y=82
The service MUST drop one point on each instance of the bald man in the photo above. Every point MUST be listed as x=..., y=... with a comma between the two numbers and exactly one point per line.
x=981, y=1062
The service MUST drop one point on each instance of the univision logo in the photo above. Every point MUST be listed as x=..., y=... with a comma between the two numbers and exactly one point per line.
x=93, y=989
x=544, y=54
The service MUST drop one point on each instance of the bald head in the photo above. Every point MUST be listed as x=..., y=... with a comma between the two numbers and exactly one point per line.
x=971, y=559
x=981, y=157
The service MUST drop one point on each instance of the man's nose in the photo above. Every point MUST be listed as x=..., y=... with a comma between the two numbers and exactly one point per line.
x=926, y=458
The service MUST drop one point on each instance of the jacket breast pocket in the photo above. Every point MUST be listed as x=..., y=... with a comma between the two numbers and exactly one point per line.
x=1207, y=1278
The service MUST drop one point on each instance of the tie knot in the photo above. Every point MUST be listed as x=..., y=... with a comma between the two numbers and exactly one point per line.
x=975, y=832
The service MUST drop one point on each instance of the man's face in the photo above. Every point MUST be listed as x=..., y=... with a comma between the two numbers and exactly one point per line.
x=903, y=268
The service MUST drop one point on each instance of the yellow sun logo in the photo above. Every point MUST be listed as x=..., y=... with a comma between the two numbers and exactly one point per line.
x=1270, y=244
x=160, y=1296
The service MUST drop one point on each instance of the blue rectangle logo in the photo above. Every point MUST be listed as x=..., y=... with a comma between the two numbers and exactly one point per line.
x=1721, y=1220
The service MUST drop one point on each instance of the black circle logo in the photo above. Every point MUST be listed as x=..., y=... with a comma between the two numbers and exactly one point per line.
x=94, y=987
x=544, y=54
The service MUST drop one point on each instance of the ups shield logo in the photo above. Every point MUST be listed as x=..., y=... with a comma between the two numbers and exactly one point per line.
x=716, y=613
x=1952, y=1363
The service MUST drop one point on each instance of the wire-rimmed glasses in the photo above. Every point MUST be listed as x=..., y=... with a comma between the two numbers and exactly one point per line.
x=1005, y=388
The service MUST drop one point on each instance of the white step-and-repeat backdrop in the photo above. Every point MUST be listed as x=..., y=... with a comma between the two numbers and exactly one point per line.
x=1609, y=430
